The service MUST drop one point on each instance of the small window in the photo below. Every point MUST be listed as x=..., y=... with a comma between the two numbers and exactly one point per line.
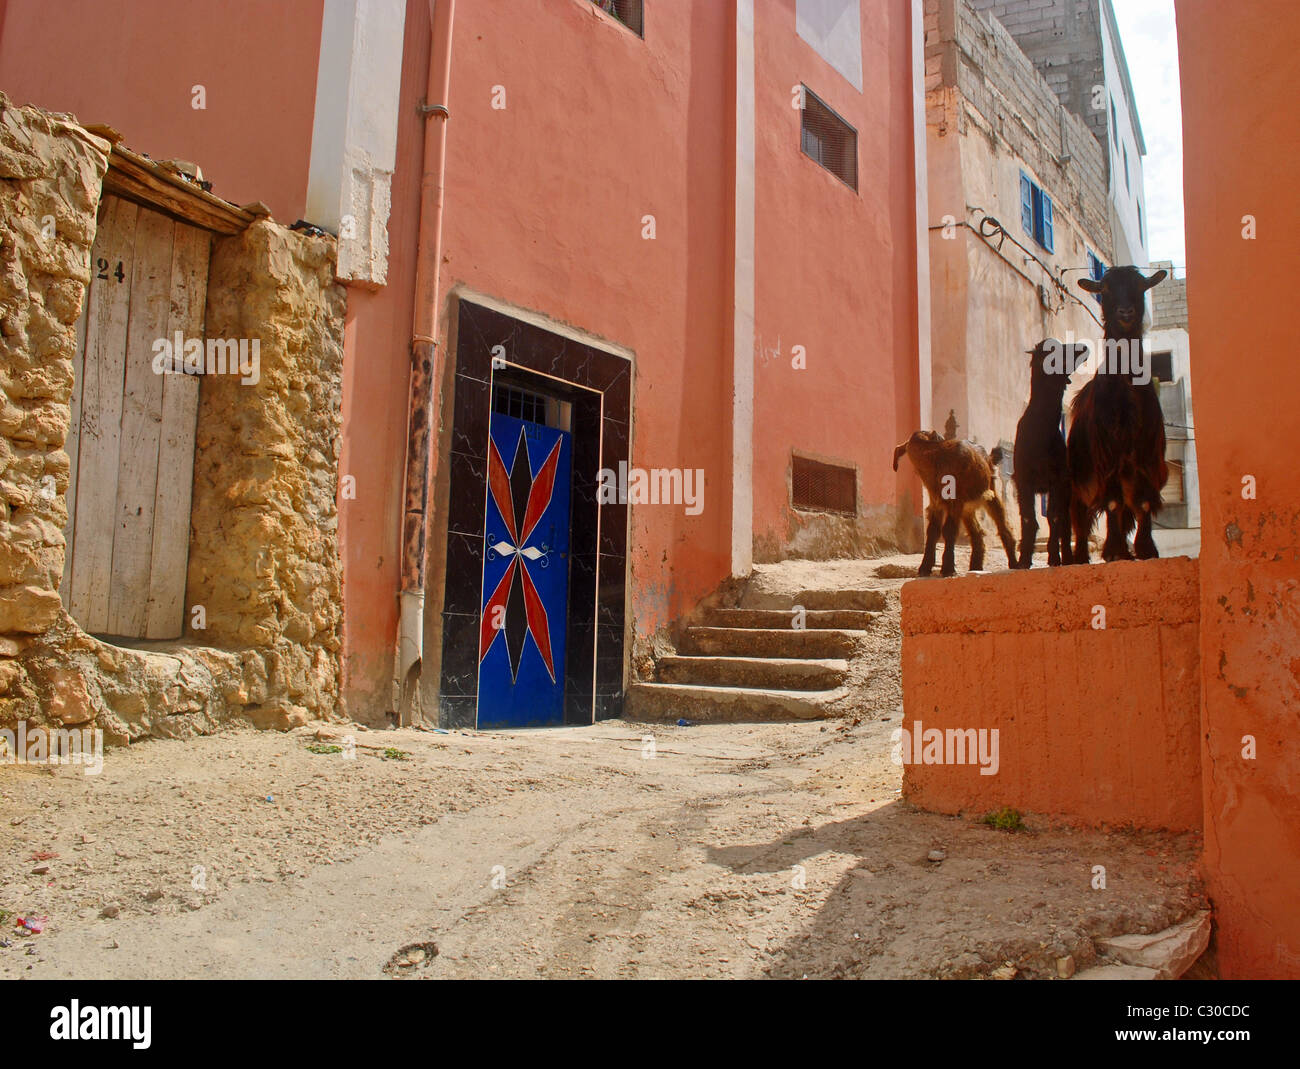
x=1162, y=366
x=828, y=139
x=628, y=12
x=1096, y=269
x=1174, y=491
x=1036, y=214
x=1142, y=230
x=1114, y=123
x=1126, y=181
x=823, y=487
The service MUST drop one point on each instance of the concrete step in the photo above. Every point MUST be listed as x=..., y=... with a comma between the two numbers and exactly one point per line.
x=768, y=642
x=772, y=673
x=850, y=619
x=674, y=701
x=868, y=600
x=863, y=600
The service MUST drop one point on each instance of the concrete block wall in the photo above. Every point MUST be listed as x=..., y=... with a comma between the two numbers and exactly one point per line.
x=1169, y=299
x=975, y=54
x=1062, y=39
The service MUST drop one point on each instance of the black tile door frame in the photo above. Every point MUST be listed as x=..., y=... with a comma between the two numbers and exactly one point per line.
x=599, y=386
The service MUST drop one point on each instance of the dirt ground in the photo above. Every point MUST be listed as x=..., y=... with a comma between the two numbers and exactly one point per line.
x=778, y=850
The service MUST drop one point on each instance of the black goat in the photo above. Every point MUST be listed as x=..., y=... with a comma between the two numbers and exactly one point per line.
x=1117, y=432
x=1040, y=460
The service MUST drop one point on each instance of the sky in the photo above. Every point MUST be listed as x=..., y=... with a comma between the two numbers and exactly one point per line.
x=1146, y=28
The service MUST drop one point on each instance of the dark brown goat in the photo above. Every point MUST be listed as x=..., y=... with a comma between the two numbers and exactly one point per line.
x=1041, y=466
x=1117, y=432
x=959, y=479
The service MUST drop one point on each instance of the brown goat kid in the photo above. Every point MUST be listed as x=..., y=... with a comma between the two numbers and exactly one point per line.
x=959, y=479
x=1117, y=434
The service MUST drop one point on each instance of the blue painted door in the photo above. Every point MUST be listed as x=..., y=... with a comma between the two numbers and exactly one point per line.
x=525, y=593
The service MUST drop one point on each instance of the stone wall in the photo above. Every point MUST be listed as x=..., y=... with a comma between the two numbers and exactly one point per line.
x=50, y=178
x=263, y=558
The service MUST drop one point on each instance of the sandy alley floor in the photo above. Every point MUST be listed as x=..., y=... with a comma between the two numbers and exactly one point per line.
x=735, y=851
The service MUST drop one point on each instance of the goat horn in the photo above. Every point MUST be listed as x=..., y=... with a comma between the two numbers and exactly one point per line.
x=898, y=453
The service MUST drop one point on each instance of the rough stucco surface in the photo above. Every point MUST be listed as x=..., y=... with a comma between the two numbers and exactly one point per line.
x=263, y=524
x=1097, y=724
x=264, y=560
x=1237, y=62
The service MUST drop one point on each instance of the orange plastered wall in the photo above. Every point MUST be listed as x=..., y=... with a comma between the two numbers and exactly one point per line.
x=134, y=64
x=835, y=268
x=1241, y=155
x=546, y=206
x=1097, y=712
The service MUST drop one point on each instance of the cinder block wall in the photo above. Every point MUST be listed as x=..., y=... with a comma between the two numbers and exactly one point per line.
x=1090, y=676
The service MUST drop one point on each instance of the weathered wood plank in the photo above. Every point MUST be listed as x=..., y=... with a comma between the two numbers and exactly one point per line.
x=73, y=444
x=171, y=525
x=101, y=414
x=137, y=471
x=133, y=176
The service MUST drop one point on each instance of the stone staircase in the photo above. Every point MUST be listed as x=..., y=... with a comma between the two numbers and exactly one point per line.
x=753, y=661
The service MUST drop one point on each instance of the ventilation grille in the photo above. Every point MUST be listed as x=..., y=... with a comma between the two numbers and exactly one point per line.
x=628, y=12
x=823, y=487
x=829, y=140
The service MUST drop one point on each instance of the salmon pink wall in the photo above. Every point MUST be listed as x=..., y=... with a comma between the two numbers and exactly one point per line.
x=1241, y=156
x=836, y=274
x=132, y=64
x=1095, y=724
x=376, y=382
x=544, y=210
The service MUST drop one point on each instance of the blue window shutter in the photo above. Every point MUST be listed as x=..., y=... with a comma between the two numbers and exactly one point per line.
x=1026, y=204
x=1049, y=236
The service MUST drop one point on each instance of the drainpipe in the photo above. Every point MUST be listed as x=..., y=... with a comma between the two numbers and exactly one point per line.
x=424, y=373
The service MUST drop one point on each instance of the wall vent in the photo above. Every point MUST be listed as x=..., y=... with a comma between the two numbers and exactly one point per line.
x=828, y=139
x=629, y=12
x=823, y=487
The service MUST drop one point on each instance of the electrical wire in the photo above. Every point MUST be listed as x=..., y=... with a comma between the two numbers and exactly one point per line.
x=990, y=227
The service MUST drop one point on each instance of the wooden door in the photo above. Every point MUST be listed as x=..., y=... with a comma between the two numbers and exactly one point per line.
x=131, y=440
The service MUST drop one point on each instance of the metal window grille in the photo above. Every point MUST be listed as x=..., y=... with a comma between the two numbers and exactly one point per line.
x=823, y=487
x=630, y=13
x=521, y=404
x=828, y=139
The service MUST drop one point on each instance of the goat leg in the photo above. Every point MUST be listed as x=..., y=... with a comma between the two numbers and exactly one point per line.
x=1058, y=527
x=1117, y=523
x=976, y=543
x=993, y=506
x=1081, y=520
x=934, y=520
x=1028, y=531
x=1144, y=545
x=949, y=546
